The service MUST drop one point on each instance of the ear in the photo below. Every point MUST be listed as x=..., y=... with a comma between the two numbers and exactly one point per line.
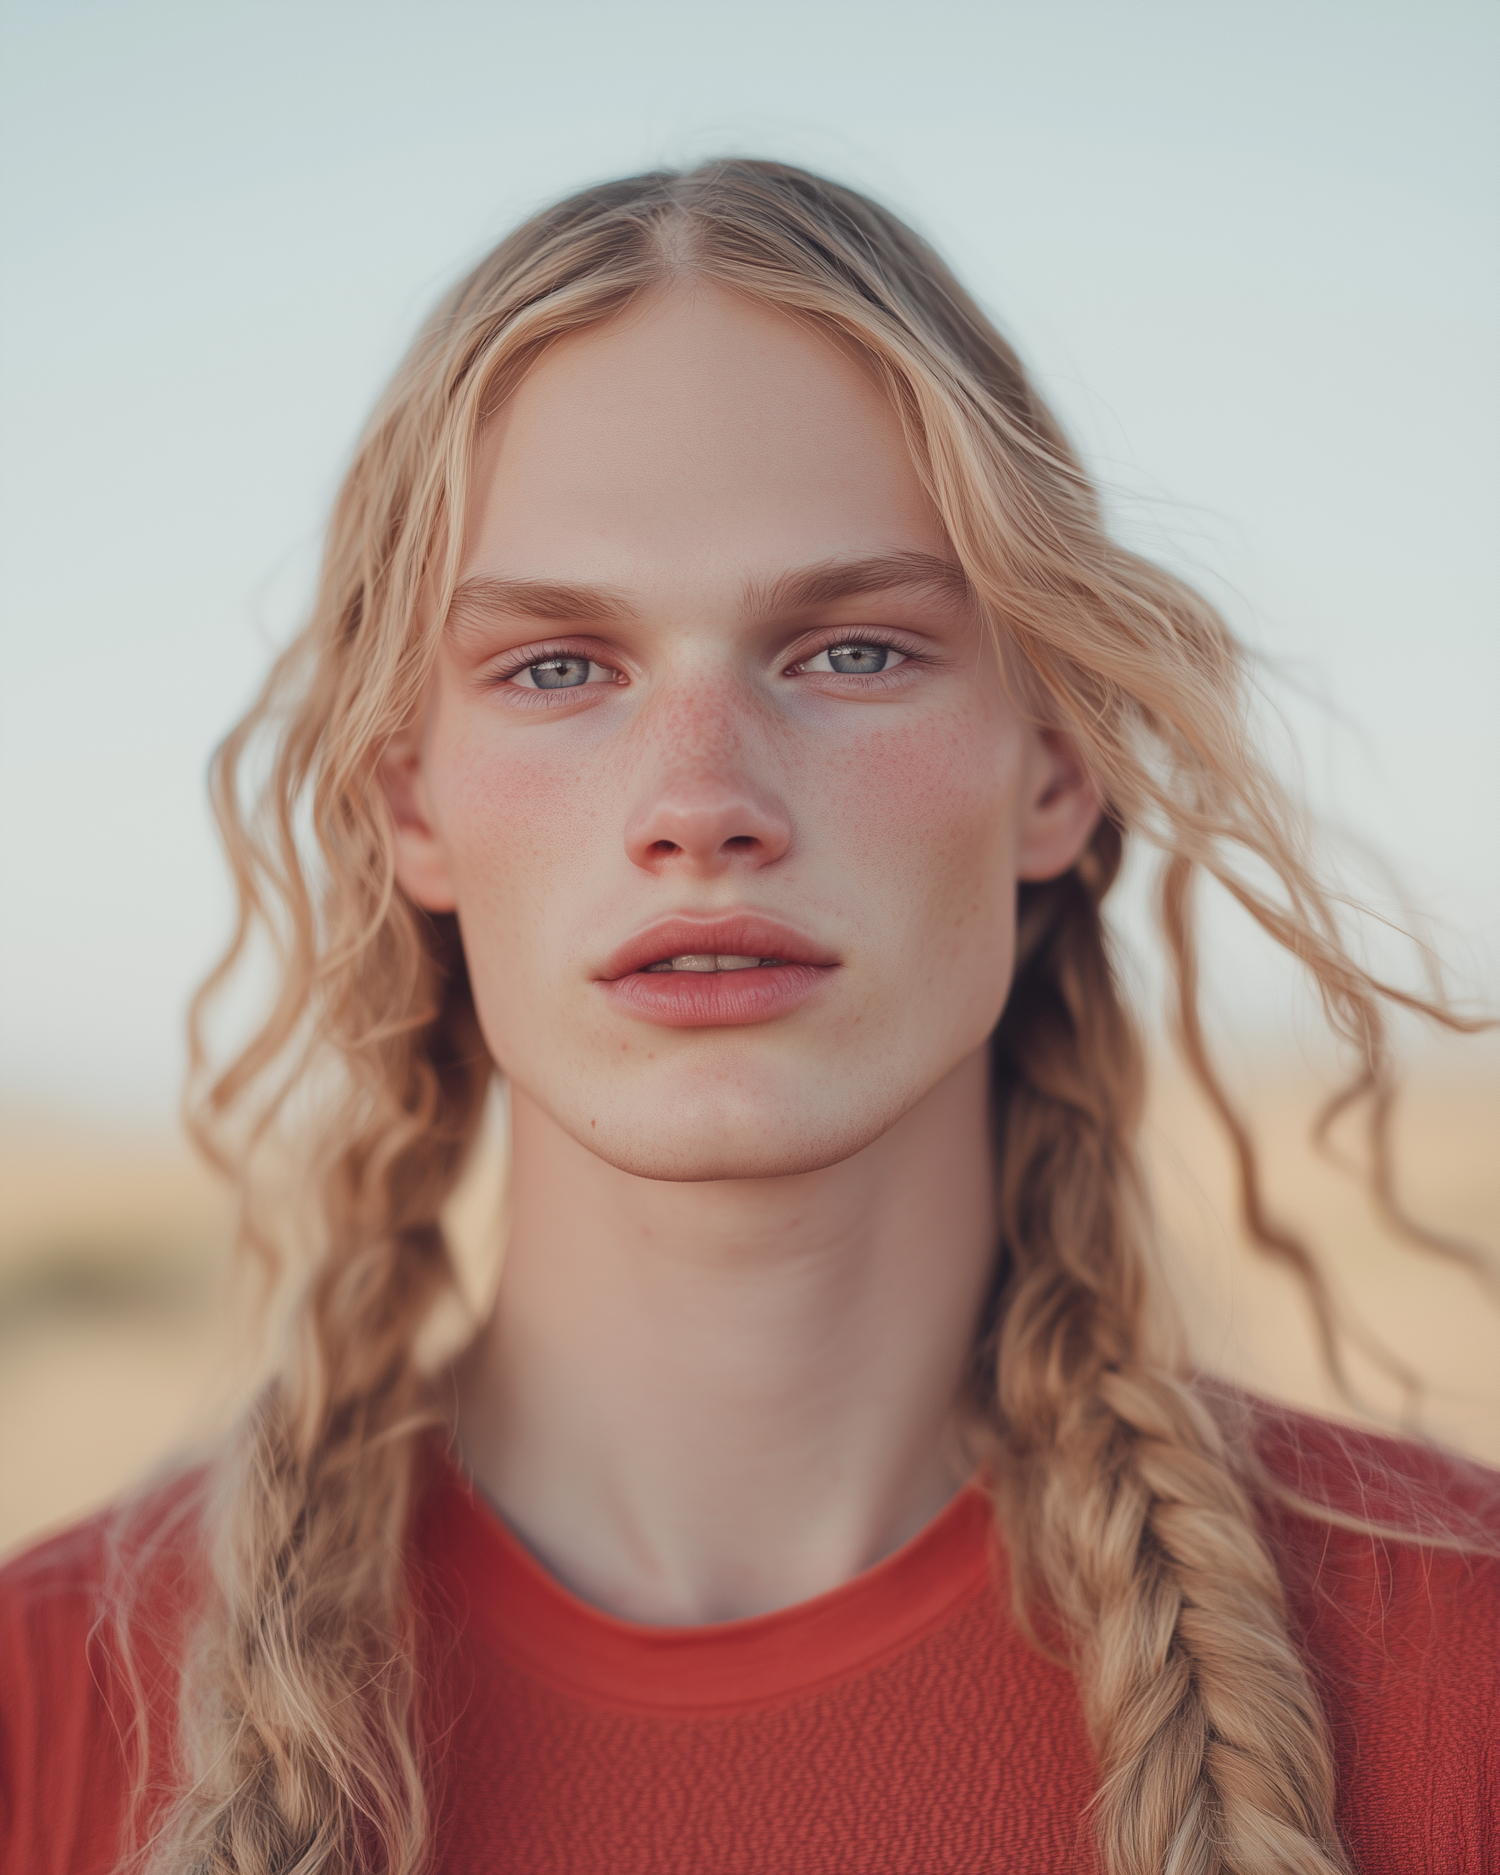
x=421, y=858
x=1060, y=807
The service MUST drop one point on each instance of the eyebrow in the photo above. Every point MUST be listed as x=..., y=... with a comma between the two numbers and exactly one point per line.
x=476, y=599
x=800, y=590
x=811, y=586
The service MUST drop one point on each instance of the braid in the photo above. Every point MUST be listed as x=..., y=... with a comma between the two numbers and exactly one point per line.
x=1117, y=1494
x=316, y=1489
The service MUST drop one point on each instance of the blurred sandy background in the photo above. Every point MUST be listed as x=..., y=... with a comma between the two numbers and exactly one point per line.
x=118, y=1343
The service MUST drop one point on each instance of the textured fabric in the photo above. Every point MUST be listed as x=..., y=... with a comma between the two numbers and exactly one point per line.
x=898, y=1724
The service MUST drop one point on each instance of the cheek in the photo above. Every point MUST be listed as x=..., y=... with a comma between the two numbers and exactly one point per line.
x=931, y=805
x=515, y=817
x=929, y=811
x=524, y=835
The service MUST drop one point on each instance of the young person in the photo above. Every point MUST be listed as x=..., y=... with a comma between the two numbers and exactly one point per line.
x=723, y=715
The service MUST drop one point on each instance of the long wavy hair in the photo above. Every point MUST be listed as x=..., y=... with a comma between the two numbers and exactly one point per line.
x=1123, y=1503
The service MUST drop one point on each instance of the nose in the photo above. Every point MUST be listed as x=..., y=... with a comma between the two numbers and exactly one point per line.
x=703, y=815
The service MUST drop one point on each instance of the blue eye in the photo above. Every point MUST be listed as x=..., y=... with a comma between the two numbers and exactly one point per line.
x=560, y=673
x=855, y=659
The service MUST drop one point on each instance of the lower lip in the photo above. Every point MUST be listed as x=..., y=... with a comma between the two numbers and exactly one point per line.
x=717, y=999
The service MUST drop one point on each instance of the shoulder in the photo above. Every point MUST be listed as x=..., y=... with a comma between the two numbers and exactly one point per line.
x=1384, y=1537
x=1421, y=1490
x=51, y=1599
x=140, y=1556
x=1391, y=1565
x=91, y=1623
x=1362, y=1520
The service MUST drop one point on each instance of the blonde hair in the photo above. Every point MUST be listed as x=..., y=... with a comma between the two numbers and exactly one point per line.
x=1121, y=1503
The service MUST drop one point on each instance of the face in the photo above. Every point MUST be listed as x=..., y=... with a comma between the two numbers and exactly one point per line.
x=712, y=691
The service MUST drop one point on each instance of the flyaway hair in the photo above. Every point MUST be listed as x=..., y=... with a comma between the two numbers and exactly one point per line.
x=1126, y=1509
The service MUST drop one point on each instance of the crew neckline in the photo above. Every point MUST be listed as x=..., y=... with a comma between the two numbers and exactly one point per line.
x=552, y=1635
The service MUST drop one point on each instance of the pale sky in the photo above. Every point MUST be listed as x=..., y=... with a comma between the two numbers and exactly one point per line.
x=1248, y=248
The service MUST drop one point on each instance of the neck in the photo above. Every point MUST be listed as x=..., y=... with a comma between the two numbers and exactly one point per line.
x=696, y=1402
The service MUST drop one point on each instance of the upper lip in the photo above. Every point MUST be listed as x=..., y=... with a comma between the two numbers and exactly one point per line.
x=732, y=934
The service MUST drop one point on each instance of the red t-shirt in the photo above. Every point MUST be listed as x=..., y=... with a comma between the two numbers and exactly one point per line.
x=898, y=1723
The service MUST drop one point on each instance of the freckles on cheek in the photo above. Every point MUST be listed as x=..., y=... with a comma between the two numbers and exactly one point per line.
x=508, y=810
x=934, y=795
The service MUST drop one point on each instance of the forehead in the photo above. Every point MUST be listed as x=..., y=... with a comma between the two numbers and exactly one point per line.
x=699, y=433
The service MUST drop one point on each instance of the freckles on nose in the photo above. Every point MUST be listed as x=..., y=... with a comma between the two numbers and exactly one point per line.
x=698, y=714
x=706, y=792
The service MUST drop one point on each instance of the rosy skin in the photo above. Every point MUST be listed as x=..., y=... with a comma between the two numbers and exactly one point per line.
x=751, y=1211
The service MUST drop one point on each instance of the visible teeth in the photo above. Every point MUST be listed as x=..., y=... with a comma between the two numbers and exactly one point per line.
x=702, y=961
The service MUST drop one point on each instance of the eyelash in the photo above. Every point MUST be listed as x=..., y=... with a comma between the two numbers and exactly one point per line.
x=539, y=654
x=909, y=652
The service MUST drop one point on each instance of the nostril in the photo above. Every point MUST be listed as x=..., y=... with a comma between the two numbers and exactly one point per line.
x=708, y=828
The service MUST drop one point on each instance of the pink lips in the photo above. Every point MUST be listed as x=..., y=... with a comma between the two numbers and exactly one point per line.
x=719, y=999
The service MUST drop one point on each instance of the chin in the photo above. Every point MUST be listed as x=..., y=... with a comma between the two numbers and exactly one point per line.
x=747, y=1142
